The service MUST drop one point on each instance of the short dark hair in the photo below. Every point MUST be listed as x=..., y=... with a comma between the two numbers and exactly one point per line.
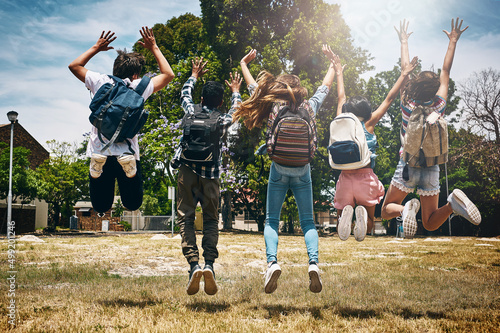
x=360, y=106
x=128, y=64
x=212, y=93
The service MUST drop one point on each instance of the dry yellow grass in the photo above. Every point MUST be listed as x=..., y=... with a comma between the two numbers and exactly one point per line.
x=133, y=283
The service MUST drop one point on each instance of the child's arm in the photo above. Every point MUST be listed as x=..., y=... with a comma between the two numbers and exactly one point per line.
x=384, y=106
x=330, y=74
x=235, y=85
x=403, y=35
x=186, y=92
x=77, y=66
x=444, y=78
x=166, y=74
x=338, y=69
x=244, y=67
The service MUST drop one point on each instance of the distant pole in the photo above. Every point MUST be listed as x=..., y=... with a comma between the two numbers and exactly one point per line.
x=447, y=194
x=12, y=116
x=171, y=196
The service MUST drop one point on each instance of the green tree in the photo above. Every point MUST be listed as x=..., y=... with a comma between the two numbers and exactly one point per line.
x=24, y=182
x=63, y=180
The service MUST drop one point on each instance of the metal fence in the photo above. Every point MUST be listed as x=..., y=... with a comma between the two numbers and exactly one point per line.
x=162, y=223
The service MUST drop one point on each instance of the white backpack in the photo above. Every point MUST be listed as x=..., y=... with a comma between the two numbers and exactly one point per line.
x=348, y=149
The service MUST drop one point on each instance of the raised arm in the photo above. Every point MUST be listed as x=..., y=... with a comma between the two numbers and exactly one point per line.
x=166, y=74
x=404, y=35
x=338, y=69
x=244, y=67
x=187, y=90
x=234, y=85
x=330, y=74
x=384, y=106
x=77, y=66
x=454, y=35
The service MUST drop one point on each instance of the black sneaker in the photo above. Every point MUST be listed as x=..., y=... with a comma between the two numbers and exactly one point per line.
x=209, y=276
x=194, y=280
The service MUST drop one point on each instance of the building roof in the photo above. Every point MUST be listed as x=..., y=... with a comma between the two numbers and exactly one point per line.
x=23, y=138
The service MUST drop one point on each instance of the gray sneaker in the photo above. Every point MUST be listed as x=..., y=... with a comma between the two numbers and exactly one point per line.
x=409, y=217
x=360, y=223
x=96, y=164
x=209, y=276
x=462, y=206
x=344, y=224
x=273, y=272
x=194, y=280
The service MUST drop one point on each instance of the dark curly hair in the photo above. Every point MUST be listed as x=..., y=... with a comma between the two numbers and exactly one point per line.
x=360, y=106
x=423, y=87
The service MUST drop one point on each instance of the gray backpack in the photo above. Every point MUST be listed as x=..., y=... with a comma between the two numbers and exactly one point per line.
x=425, y=145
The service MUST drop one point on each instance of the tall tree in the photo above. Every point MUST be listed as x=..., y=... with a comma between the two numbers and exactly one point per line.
x=24, y=182
x=63, y=179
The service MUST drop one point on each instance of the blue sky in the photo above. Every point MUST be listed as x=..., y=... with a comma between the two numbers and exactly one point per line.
x=40, y=38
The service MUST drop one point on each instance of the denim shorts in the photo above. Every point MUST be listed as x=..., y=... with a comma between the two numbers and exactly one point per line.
x=425, y=180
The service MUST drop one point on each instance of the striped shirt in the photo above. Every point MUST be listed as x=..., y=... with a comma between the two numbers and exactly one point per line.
x=437, y=104
x=226, y=120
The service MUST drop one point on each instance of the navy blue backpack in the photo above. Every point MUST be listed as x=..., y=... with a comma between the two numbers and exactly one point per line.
x=118, y=111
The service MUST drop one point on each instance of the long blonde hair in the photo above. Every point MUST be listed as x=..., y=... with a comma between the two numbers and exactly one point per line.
x=255, y=110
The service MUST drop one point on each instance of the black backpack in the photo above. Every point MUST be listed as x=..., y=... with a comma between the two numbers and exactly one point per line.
x=118, y=111
x=201, y=137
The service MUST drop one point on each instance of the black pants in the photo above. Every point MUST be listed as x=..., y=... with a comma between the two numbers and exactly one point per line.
x=102, y=189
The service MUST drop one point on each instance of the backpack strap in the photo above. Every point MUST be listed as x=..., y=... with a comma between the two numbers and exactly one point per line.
x=141, y=87
x=118, y=130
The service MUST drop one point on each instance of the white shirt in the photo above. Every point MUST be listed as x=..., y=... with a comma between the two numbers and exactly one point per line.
x=94, y=81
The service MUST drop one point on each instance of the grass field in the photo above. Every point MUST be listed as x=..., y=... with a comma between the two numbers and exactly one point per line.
x=137, y=282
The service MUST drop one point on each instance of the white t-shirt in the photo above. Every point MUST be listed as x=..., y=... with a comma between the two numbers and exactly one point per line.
x=94, y=81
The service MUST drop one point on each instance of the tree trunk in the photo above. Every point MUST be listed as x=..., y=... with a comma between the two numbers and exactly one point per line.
x=227, y=222
x=290, y=225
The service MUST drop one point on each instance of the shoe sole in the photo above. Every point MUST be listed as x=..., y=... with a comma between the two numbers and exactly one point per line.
x=410, y=221
x=315, y=284
x=273, y=282
x=345, y=223
x=194, y=283
x=210, y=285
x=470, y=208
x=360, y=225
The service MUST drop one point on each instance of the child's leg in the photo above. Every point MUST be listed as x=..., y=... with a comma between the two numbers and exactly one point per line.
x=102, y=189
x=209, y=198
x=187, y=182
x=276, y=191
x=432, y=216
x=392, y=207
x=371, y=217
x=302, y=190
x=131, y=189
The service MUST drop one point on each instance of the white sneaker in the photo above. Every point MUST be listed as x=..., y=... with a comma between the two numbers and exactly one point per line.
x=409, y=217
x=315, y=284
x=344, y=224
x=96, y=163
x=128, y=164
x=273, y=272
x=462, y=206
x=360, y=224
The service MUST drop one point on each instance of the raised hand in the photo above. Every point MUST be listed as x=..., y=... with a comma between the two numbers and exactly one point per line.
x=148, y=37
x=103, y=42
x=403, y=33
x=456, y=31
x=198, y=67
x=235, y=83
x=249, y=57
x=410, y=67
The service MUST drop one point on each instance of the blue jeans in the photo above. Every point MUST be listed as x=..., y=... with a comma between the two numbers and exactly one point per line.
x=299, y=181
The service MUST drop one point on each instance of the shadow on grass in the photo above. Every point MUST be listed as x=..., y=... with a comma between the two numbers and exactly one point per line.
x=208, y=307
x=276, y=311
x=131, y=303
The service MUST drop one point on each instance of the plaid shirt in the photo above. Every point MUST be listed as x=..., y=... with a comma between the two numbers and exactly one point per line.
x=225, y=121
